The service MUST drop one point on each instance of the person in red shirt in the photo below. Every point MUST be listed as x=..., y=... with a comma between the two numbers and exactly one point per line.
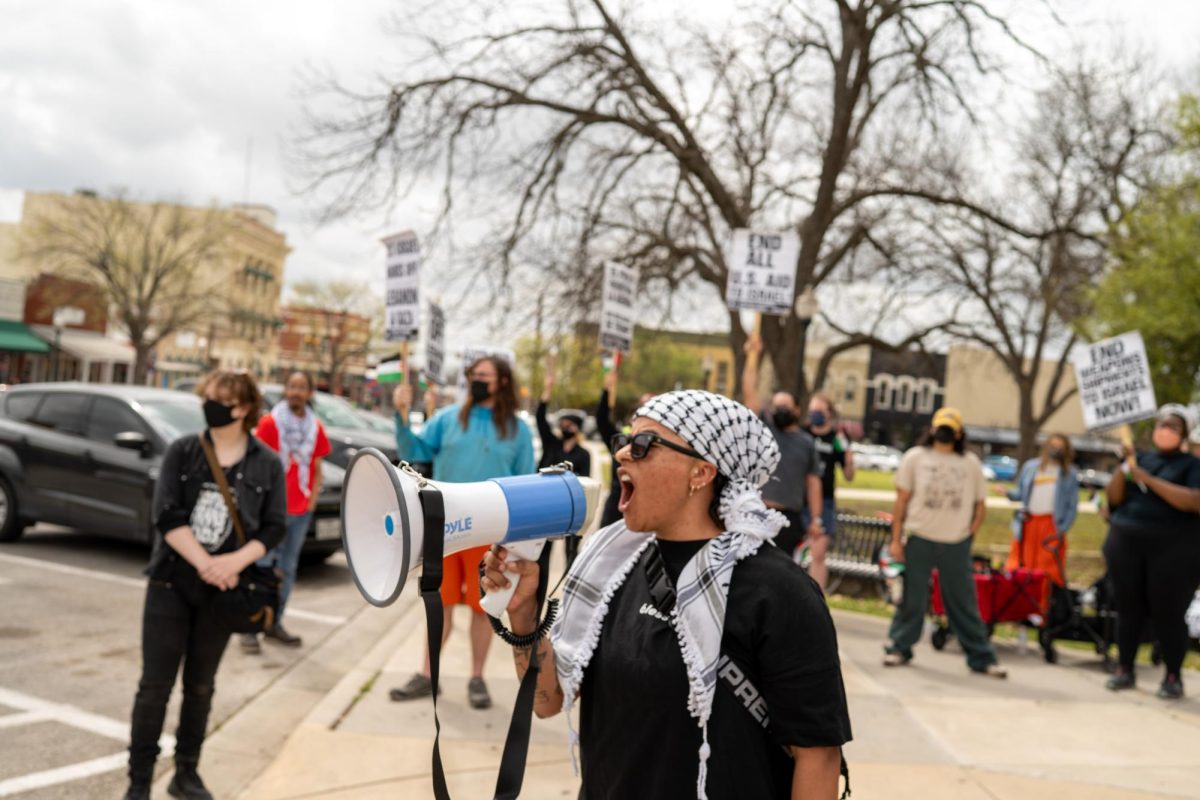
x=292, y=430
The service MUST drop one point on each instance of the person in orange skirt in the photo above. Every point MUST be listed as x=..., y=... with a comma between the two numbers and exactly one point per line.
x=1048, y=491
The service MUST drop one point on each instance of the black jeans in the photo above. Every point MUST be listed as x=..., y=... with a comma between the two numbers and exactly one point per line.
x=1154, y=576
x=176, y=626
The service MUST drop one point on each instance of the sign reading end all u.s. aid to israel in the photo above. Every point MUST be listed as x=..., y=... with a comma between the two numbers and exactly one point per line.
x=762, y=271
x=1114, y=382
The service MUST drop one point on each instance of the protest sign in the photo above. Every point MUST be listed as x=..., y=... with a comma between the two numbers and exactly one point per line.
x=617, y=307
x=762, y=272
x=403, y=308
x=1114, y=383
x=435, y=343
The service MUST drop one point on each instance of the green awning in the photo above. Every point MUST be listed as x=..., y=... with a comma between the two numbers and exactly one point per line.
x=16, y=337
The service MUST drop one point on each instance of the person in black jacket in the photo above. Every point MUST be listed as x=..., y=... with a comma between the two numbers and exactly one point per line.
x=606, y=426
x=569, y=447
x=1153, y=547
x=196, y=555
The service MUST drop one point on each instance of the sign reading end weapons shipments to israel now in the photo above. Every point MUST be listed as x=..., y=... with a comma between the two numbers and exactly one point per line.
x=435, y=343
x=762, y=272
x=401, y=316
x=1113, y=376
x=617, y=307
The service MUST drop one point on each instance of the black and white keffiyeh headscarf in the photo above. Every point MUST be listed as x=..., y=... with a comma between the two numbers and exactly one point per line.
x=730, y=436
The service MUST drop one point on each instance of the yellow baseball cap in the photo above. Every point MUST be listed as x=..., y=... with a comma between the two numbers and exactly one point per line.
x=950, y=417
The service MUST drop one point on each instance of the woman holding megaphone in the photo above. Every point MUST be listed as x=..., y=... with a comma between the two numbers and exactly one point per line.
x=704, y=660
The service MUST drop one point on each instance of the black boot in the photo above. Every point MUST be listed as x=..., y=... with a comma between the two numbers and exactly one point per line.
x=138, y=790
x=187, y=784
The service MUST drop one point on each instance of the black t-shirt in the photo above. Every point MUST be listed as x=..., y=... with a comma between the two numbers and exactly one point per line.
x=1146, y=512
x=636, y=736
x=831, y=458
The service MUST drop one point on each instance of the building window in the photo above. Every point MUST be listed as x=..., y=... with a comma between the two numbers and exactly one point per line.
x=926, y=395
x=883, y=391
x=904, y=393
x=851, y=390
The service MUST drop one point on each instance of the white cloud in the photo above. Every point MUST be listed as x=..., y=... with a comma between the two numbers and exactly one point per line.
x=162, y=97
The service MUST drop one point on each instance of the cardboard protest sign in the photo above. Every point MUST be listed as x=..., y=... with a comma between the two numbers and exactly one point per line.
x=435, y=343
x=618, y=307
x=1113, y=376
x=762, y=272
x=403, y=307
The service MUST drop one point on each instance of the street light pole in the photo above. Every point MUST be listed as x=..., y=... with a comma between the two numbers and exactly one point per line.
x=806, y=309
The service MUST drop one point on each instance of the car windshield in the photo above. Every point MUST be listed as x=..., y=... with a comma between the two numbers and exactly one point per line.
x=337, y=413
x=175, y=417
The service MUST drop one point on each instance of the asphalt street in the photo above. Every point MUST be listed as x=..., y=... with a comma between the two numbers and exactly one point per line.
x=70, y=658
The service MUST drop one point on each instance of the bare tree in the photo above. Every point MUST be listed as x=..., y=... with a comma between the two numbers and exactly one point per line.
x=345, y=321
x=599, y=135
x=1081, y=161
x=153, y=262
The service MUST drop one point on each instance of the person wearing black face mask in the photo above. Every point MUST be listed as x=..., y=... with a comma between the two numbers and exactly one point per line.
x=795, y=487
x=940, y=494
x=565, y=447
x=476, y=440
x=1048, y=491
x=196, y=555
x=833, y=452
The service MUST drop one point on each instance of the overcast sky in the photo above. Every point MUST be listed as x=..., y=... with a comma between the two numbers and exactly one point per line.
x=167, y=98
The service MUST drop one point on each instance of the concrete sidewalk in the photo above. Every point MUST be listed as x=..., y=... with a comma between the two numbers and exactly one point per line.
x=930, y=731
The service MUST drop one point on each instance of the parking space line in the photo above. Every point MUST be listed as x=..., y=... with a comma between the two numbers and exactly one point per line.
x=34, y=709
x=313, y=616
x=24, y=718
x=69, y=715
x=140, y=583
x=71, y=772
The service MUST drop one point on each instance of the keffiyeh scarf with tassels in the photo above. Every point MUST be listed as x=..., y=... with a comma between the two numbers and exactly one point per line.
x=730, y=436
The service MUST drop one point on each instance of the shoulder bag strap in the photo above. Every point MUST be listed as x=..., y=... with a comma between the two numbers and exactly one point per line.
x=218, y=474
x=662, y=594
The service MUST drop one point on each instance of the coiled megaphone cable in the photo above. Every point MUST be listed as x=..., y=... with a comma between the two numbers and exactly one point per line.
x=527, y=639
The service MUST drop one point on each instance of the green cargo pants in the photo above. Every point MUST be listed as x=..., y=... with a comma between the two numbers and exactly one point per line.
x=953, y=563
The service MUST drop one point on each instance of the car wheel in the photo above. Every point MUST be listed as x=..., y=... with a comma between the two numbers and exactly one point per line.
x=11, y=524
x=313, y=558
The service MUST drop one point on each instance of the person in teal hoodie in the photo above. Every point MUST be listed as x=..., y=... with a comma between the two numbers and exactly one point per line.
x=476, y=440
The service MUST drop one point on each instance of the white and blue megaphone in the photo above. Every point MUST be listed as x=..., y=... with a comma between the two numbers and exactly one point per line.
x=383, y=521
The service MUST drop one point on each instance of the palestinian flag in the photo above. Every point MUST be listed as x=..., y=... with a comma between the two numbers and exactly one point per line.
x=390, y=372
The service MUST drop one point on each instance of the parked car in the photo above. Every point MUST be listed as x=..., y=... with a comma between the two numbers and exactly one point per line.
x=87, y=456
x=347, y=431
x=1004, y=467
x=1094, y=479
x=876, y=457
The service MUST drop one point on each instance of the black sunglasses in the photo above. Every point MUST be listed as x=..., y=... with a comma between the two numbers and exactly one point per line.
x=640, y=443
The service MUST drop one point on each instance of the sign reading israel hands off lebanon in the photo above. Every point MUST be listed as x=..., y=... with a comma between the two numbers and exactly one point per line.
x=1114, y=382
x=403, y=302
x=618, y=307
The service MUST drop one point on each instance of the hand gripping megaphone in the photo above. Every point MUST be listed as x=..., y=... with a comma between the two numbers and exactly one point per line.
x=383, y=521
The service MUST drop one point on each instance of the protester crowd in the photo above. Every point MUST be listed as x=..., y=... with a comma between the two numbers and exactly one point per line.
x=713, y=508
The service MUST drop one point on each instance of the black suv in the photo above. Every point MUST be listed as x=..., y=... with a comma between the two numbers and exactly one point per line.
x=87, y=456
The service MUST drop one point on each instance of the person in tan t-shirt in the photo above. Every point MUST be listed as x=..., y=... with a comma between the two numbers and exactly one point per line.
x=940, y=493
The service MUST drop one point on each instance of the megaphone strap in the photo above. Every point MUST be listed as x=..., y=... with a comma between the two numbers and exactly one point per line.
x=434, y=510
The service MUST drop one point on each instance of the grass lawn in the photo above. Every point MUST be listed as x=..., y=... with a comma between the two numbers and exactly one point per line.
x=886, y=481
x=1084, y=562
x=1005, y=632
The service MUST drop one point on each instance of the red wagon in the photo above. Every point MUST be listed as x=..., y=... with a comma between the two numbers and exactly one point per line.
x=1020, y=596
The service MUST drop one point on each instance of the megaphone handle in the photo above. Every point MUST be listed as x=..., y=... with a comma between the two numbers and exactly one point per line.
x=494, y=603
